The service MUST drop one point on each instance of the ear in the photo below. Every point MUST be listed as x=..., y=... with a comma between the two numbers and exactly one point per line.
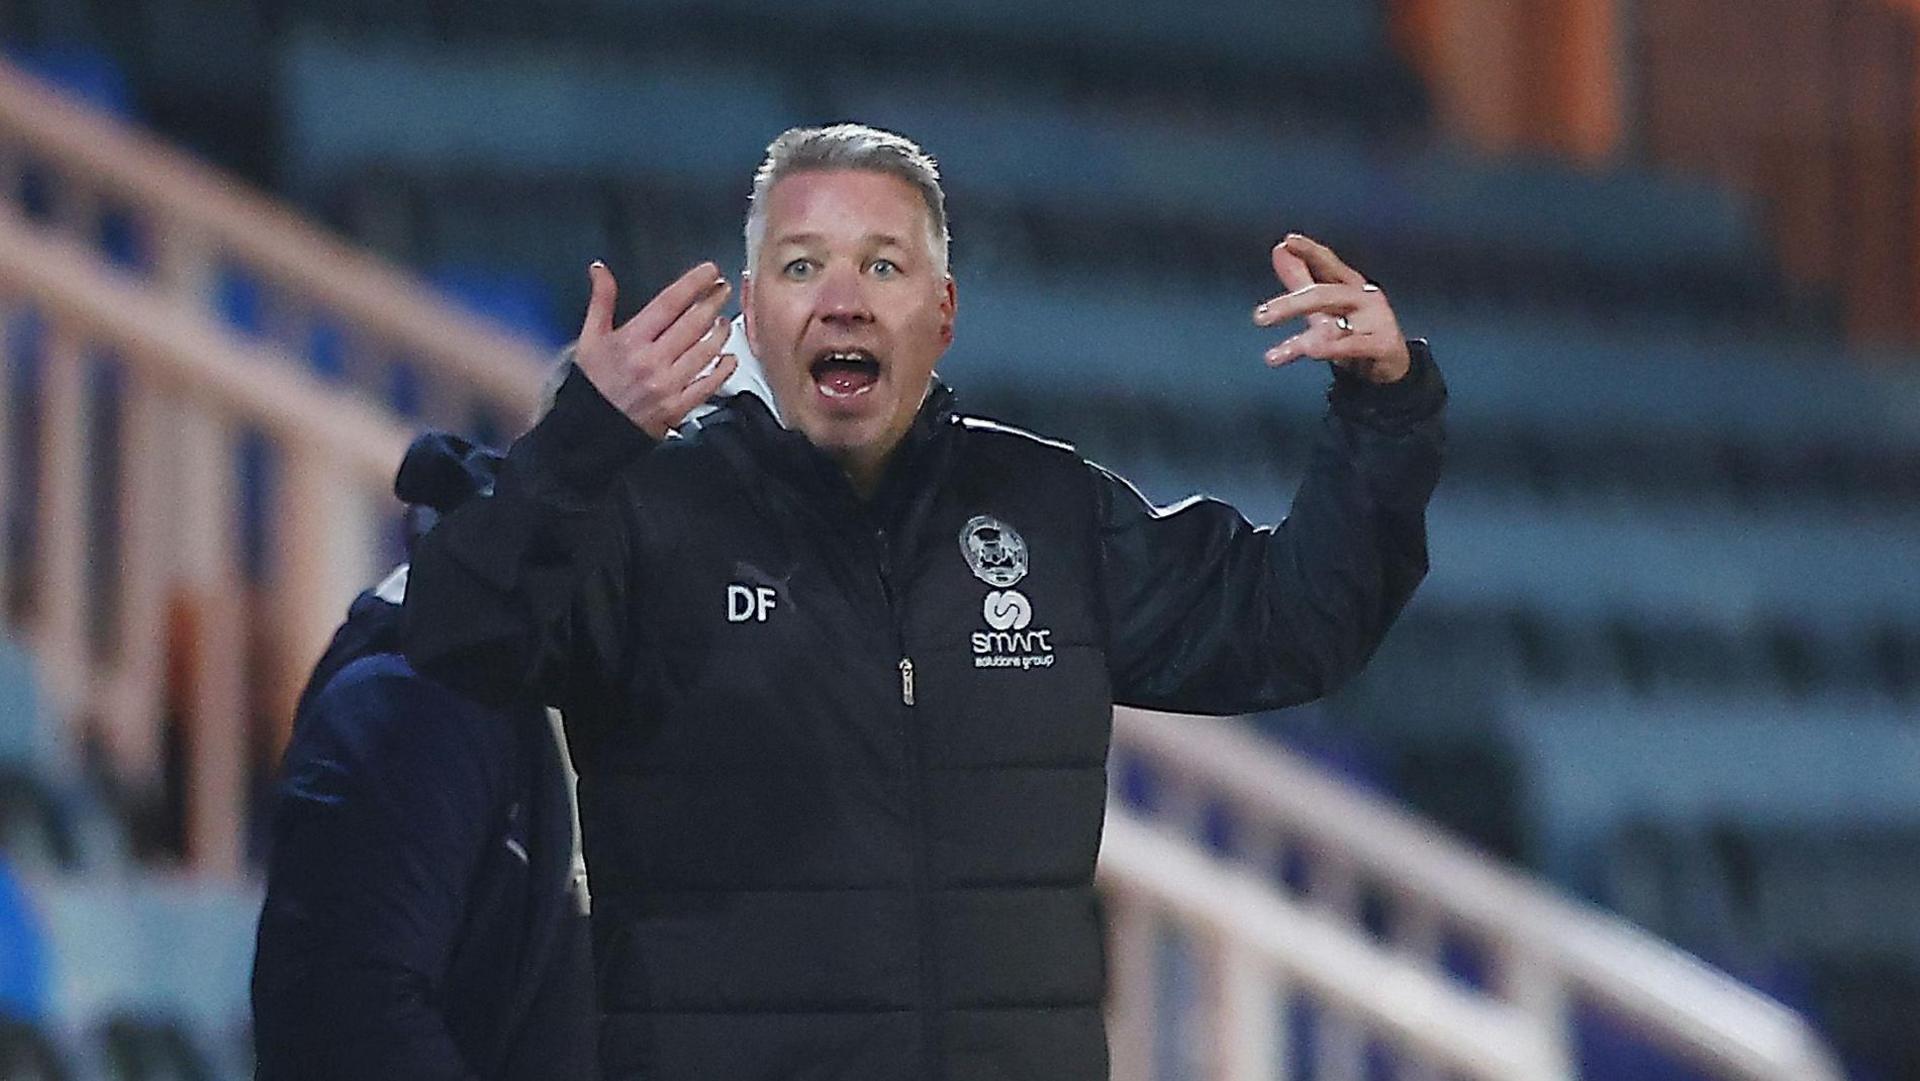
x=949, y=308
x=746, y=310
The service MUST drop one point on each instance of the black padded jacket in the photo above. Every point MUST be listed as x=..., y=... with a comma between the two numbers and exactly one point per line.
x=420, y=920
x=842, y=761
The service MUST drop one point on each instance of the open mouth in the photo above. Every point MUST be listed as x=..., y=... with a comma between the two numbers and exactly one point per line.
x=845, y=373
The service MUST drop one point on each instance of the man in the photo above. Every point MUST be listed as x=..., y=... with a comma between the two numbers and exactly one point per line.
x=424, y=918
x=839, y=683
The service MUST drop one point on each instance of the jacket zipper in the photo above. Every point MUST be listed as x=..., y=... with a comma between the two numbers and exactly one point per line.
x=917, y=816
x=893, y=614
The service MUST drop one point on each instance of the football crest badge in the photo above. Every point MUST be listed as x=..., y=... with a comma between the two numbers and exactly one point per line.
x=994, y=550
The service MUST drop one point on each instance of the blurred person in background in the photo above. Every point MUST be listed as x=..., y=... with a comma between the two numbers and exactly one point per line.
x=426, y=899
x=838, y=669
x=424, y=915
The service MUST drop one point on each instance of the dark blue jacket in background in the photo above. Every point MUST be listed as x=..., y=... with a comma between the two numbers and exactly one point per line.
x=420, y=919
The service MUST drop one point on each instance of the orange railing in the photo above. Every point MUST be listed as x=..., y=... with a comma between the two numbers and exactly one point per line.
x=1812, y=109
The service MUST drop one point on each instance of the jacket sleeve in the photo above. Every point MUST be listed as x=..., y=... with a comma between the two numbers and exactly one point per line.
x=520, y=596
x=391, y=792
x=1208, y=614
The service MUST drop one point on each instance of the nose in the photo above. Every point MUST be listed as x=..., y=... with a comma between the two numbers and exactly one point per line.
x=842, y=300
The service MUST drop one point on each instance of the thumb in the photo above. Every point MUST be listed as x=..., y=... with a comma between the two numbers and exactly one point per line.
x=600, y=304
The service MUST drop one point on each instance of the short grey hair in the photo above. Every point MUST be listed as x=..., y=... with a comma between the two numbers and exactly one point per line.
x=848, y=146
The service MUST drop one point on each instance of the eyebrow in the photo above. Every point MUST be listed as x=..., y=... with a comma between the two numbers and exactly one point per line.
x=877, y=239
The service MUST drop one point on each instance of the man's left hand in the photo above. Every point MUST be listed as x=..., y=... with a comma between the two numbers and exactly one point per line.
x=1349, y=322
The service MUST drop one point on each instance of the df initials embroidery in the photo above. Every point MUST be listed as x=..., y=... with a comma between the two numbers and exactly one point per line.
x=750, y=603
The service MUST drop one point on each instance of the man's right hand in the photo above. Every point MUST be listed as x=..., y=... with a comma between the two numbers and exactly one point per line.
x=650, y=366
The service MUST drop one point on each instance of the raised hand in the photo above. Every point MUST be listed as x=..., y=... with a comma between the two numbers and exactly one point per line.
x=661, y=363
x=1349, y=322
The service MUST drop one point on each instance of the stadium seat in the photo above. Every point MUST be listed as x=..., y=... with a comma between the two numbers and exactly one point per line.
x=83, y=71
x=518, y=301
x=1430, y=215
x=348, y=108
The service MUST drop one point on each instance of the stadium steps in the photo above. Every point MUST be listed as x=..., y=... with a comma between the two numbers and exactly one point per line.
x=1521, y=233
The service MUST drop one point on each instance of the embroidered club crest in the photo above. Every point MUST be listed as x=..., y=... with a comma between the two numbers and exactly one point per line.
x=997, y=554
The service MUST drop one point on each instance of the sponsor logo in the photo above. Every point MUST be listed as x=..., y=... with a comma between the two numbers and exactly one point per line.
x=1007, y=610
x=997, y=554
x=1013, y=649
x=1011, y=640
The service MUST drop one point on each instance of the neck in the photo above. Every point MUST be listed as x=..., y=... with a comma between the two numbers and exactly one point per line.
x=866, y=466
x=864, y=470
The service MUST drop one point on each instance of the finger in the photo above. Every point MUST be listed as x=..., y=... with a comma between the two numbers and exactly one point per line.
x=704, y=387
x=698, y=323
x=696, y=356
x=1326, y=342
x=1320, y=259
x=673, y=301
x=1293, y=273
x=1324, y=299
x=600, y=303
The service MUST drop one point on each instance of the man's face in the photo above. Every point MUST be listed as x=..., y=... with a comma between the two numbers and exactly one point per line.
x=848, y=309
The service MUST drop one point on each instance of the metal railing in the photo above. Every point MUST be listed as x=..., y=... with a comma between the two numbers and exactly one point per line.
x=1545, y=952
x=195, y=232
x=131, y=585
x=121, y=260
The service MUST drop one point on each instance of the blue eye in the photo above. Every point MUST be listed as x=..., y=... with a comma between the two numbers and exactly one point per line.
x=883, y=268
x=798, y=268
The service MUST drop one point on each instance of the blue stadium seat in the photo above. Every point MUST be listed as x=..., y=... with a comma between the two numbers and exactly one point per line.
x=518, y=301
x=23, y=961
x=84, y=72
x=1608, y=1049
x=240, y=299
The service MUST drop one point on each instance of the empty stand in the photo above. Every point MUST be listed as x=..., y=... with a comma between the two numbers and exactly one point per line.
x=1081, y=185
x=1668, y=604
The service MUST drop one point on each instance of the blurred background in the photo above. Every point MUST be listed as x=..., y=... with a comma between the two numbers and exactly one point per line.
x=1667, y=251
